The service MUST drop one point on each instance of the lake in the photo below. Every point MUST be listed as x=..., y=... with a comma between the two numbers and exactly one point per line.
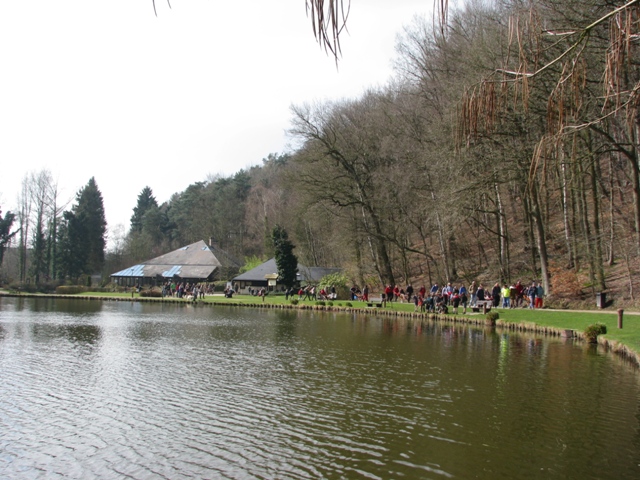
x=115, y=390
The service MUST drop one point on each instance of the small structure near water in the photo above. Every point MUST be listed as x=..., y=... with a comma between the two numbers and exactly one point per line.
x=266, y=275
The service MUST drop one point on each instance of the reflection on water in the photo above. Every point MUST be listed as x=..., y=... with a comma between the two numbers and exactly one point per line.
x=121, y=389
x=46, y=304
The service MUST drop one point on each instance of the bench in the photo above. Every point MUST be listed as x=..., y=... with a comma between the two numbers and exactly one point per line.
x=374, y=302
x=482, y=305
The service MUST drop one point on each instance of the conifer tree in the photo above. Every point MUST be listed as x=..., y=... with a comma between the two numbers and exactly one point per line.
x=90, y=213
x=146, y=202
x=286, y=261
x=71, y=258
x=82, y=234
x=6, y=235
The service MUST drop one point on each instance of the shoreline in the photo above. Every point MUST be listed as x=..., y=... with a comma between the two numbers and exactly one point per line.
x=613, y=346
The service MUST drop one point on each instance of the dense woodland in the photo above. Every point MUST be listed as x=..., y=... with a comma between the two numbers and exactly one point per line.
x=505, y=148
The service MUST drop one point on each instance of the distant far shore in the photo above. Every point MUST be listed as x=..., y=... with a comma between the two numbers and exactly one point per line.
x=569, y=324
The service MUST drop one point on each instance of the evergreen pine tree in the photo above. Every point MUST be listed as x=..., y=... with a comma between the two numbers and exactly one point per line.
x=82, y=234
x=71, y=258
x=38, y=258
x=90, y=214
x=6, y=223
x=286, y=261
x=146, y=202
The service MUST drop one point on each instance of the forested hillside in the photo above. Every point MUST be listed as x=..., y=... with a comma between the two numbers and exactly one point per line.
x=505, y=148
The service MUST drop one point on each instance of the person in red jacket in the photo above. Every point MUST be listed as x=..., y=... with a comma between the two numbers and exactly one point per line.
x=519, y=293
x=388, y=292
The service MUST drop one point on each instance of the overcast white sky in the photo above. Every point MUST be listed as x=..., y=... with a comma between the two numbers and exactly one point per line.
x=107, y=89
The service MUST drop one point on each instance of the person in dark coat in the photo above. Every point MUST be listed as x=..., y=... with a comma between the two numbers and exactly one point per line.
x=480, y=293
x=495, y=295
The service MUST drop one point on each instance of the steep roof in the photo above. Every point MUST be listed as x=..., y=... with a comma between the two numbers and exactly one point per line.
x=193, y=261
x=314, y=274
x=305, y=274
x=258, y=273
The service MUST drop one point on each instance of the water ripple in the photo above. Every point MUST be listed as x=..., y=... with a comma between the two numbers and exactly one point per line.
x=141, y=393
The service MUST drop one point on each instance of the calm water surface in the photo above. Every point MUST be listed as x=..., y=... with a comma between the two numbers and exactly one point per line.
x=119, y=390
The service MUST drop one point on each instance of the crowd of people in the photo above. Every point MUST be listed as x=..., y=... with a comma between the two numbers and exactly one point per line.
x=440, y=299
x=437, y=299
x=186, y=290
x=311, y=292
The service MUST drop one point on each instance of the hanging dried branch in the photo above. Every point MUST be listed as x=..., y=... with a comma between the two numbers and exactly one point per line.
x=547, y=149
x=154, y=6
x=624, y=32
x=329, y=19
x=479, y=108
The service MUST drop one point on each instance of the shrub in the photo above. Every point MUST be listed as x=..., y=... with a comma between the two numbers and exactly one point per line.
x=492, y=316
x=104, y=289
x=70, y=289
x=294, y=301
x=320, y=303
x=330, y=304
x=14, y=287
x=110, y=287
x=566, y=282
x=337, y=280
x=348, y=304
x=48, y=287
x=42, y=287
x=592, y=331
x=490, y=319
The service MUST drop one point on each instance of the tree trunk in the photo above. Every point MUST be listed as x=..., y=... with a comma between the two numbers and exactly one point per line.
x=441, y=241
x=529, y=234
x=376, y=237
x=502, y=236
x=597, y=239
x=635, y=176
x=584, y=219
x=565, y=212
x=540, y=240
x=612, y=224
x=356, y=247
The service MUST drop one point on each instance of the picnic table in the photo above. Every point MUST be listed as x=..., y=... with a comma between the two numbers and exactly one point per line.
x=482, y=305
x=375, y=302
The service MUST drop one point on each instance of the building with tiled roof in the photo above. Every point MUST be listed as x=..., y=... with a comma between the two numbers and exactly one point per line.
x=197, y=262
x=261, y=275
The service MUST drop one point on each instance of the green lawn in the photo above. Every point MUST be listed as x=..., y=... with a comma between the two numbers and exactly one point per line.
x=579, y=321
x=561, y=319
